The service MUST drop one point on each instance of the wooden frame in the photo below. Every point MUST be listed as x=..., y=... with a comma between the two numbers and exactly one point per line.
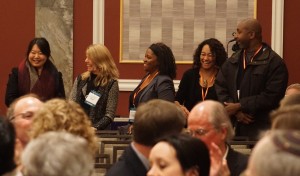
x=181, y=24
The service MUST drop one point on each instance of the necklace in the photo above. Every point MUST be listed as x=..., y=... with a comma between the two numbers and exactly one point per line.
x=205, y=84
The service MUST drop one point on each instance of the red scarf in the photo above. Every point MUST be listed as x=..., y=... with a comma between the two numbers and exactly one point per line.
x=45, y=86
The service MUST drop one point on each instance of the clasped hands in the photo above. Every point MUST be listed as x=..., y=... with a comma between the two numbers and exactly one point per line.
x=234, y=109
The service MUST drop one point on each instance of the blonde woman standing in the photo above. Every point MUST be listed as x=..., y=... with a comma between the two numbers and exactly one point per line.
x=97, y=89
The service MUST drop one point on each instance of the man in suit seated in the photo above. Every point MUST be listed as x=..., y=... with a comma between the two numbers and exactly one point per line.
x=153, y=120
x=210, y=122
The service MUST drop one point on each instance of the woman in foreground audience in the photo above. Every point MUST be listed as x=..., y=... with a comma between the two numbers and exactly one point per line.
x=197, y=83
x=35, y=74
x=97, y=89
x=276, y=154
x=63, y=115
x=293, y=89
x=58, y=154
x=179, y=155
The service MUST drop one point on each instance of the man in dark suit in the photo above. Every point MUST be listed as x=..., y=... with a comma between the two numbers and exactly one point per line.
x=153, y=120
x=209, y=122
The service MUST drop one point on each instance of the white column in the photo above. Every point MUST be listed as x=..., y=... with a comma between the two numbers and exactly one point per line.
x=98, y=21
x=277, y=26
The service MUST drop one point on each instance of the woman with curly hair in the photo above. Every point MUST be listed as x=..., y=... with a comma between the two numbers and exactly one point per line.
x=197, y=83
x=63, y=115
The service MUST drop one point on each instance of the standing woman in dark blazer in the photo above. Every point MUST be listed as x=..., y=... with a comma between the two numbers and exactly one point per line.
x=35, y=74
x=160, y=68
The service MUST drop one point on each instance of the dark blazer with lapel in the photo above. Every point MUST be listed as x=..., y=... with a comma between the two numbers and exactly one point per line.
x=237, y=162
x=128, y=164
x=161, y=87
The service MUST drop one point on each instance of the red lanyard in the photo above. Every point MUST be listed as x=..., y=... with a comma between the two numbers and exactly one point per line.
x=244, y=58
x=147, y=83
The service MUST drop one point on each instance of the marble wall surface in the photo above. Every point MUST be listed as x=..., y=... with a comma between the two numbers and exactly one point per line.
x=54, y=21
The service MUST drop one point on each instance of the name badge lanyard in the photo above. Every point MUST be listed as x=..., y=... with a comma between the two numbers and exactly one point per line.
x=204, y=94
x=244, y=58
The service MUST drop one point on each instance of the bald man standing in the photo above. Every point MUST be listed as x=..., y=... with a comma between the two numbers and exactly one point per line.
x=252, y=81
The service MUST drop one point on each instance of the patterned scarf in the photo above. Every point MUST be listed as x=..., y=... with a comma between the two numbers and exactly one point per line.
x=30, y=82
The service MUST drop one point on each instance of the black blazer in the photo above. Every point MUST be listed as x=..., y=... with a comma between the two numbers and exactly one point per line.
x=128, y=164
x=237, y=162
x=161, y=87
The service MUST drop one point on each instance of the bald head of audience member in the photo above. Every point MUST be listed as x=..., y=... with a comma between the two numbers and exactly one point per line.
x=58, y=153
x=209, y=122
x=292, y=89
x=276, y=154
x=155, y=119
x=20, y=113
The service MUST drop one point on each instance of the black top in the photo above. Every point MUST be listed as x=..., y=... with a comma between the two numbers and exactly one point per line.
x=190, y=91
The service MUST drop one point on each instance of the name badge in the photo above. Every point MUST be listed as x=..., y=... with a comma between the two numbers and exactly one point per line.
x=132, y=115
x=92, y=98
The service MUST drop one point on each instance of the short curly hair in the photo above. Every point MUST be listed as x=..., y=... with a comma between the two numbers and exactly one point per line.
x=217, y=49
x=62, y=115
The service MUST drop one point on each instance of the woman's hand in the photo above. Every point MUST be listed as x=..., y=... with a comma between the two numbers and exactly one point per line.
x=185, y=111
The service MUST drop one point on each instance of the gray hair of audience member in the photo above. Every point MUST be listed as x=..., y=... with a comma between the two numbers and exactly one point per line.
x=57, y=154
x=277, y=154
x=290, y=100
x=295, y=86
x=287, y=117
x=219, y=118
x=11, y=109
x=156, y=119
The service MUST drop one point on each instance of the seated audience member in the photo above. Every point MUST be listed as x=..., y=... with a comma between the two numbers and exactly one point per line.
x=293, y=89
x=7, y=147
x=179, y=155
x=59, y=154
x=64, y=115
x=287, y=117
x=20, y=113
x=153, y=120
x=210, y=122
x=290, y=100
x=277, y=154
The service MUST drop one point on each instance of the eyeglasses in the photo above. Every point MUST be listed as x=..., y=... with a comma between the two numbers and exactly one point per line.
x=25, y=115
x=198, y=132
x=208, y=55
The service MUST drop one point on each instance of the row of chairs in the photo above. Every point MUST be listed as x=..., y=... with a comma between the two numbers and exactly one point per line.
x=112, y=144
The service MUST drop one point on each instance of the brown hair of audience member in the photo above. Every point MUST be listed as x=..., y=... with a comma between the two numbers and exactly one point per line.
x=11, y=108
x=293, y=89
x=290, y=100
x=156, y=119
x=63, y=115
x=287, y=117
